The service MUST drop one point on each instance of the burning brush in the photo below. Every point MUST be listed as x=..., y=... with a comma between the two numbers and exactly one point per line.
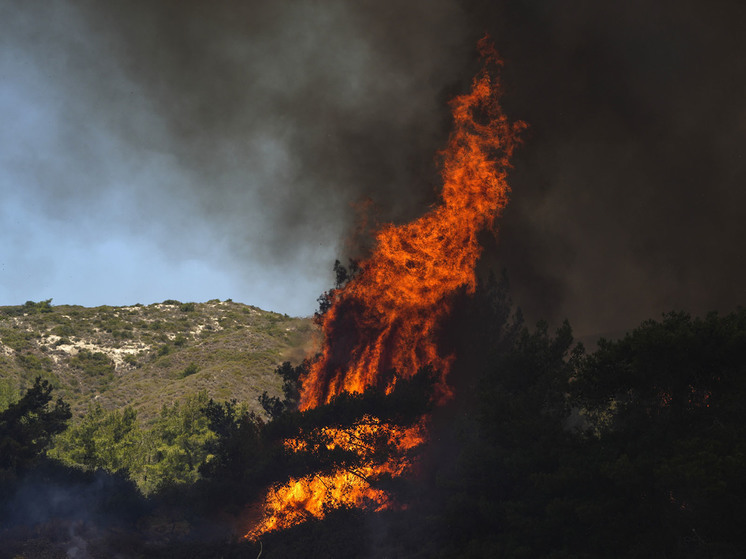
x=387, y=316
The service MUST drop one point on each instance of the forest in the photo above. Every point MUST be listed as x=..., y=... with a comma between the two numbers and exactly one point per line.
x=633, y=448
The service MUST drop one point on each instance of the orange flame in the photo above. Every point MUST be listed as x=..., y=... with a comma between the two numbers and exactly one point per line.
x=308, y=497
x=387, y=317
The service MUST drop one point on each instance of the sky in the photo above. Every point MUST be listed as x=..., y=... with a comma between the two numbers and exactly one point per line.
x=194, y=150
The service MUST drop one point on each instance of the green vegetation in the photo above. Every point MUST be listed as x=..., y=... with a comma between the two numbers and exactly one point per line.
x=167, y=453
x=106, y=440
x=27, y=428
x=34, y=363
x=17, y=339
x=191, y=369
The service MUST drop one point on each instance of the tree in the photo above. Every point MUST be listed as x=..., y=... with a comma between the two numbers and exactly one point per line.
x=634, y=450
x=667, y=406
x=108, y=440
x=274, y=406
x=239, y=462
x=177, y=444
x=499, y=486
x=28, y=426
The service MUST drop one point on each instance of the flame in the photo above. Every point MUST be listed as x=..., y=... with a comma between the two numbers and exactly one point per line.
x=387, y=317
x=308, y=497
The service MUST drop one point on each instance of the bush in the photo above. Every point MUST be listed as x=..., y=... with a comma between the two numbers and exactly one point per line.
x=63, y=330
x=191, y=369
x=131, y=360
x=8, y=394
x=31, y=307
x=28, y=425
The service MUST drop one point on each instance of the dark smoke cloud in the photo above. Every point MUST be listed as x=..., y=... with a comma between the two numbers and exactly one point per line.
x=313, y=105
x=247, y=128
x=277, y=114
x=629, y=195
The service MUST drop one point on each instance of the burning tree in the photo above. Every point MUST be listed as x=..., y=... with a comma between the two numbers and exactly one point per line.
x=381, y=326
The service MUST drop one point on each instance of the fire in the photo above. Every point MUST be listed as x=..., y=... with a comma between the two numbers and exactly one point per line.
x=387, y=317
x=309, y=497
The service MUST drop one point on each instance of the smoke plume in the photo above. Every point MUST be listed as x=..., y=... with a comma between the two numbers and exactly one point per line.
x=238, y=133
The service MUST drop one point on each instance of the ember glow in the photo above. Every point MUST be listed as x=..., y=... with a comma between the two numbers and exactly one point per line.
x=387, y=317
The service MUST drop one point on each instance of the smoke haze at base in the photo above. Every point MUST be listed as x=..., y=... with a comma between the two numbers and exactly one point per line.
x=188, y=150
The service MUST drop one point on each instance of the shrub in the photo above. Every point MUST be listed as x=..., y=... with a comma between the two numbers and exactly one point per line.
x=63, y=330
x=131, y=360
x=122, y=334
x=8, y=394
x=31, y=307
x=191, y=369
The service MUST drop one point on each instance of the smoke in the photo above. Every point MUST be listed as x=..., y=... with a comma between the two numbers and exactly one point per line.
x=238, y=134
x=46, y=495
x=237, y=131
x=53, y=510
x=628, y=195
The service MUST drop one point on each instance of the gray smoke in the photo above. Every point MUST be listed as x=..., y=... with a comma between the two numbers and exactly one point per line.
x=628, y=195
x=241, y=131
x=241, y=127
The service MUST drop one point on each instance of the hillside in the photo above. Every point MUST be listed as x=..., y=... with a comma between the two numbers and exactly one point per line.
x=147, y=356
